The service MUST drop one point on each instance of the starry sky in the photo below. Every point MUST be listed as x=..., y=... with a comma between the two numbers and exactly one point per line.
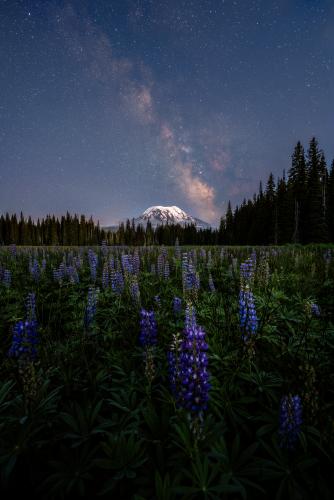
x=108, y=107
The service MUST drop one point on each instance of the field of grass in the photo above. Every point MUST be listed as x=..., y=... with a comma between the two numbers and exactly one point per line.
x=112, y=387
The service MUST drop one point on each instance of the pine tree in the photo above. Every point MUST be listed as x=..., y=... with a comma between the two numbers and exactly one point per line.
x=330, y=203
x=297, y=193
x=316, y=219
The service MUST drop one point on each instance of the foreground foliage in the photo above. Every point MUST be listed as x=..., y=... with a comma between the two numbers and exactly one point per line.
x=96, y=410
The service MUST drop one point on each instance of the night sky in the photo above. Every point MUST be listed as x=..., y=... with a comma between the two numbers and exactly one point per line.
x=108, y=107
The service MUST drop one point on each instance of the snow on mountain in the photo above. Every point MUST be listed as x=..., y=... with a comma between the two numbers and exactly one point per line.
x=158, y=215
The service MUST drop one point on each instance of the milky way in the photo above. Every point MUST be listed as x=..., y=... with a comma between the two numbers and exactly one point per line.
x=108, y=107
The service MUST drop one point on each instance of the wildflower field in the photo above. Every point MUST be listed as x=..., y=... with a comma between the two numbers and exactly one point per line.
x=167, y=373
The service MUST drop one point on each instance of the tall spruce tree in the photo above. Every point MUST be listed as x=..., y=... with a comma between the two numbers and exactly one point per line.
x=297, y=194
x=330, y=202
x=317, y=230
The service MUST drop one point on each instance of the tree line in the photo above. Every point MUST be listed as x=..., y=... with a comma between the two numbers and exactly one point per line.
x=77, y=230
x=298, y=208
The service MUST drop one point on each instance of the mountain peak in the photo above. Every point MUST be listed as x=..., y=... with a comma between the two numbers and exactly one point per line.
x=159, y=214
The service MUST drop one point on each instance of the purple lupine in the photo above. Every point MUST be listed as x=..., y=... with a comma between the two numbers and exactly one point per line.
x=166, y=270
x=116, y=281
x=112, y=264
x=190, y=278
x=148, y=329
x=247, y=314
x=60, y=273
x=136, y=262
x=177, y=305
x=190, y=317
x=105, y=276
x=328, y=256
x=160, y=264
x=157, y=300
x=31, y=306
x=90, y=309
x=188, y=372
x=290, y=421
x=24, y=341
x=72, y=274
x=315, y=309
x=93, y=261
x=127, y=264
x=246, y=271
x=7, y=278
x=34, y=270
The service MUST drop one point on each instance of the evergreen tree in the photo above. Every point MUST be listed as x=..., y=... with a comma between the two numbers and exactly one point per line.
x=316, y=218
x=297, y=194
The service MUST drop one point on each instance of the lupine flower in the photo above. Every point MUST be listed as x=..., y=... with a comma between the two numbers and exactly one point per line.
x=290, y=420
x=177, y=305
x=246, y=272
x=157, y=300
x=160, y=264
x=190, y=317
x=93, y=260
x=190, y=278
x=315, y=310
x=148, y=329
x=174, y=370
x=72, y=274
x=136, y=262
x=90, y=310
x=247, y=313
x=24, y=340
x=34, y=270
x=105, y=276
x=166, y=270
x=127, y=264
x=7, y=278
x=189, y=377
x=112, y=264
x=31, y=306
x=117, y=281
x=328, y=256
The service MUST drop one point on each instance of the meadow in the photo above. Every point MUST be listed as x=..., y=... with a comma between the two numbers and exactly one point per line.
x=167, y=372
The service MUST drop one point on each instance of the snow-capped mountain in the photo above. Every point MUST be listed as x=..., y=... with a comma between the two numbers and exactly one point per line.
x=158, y=215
